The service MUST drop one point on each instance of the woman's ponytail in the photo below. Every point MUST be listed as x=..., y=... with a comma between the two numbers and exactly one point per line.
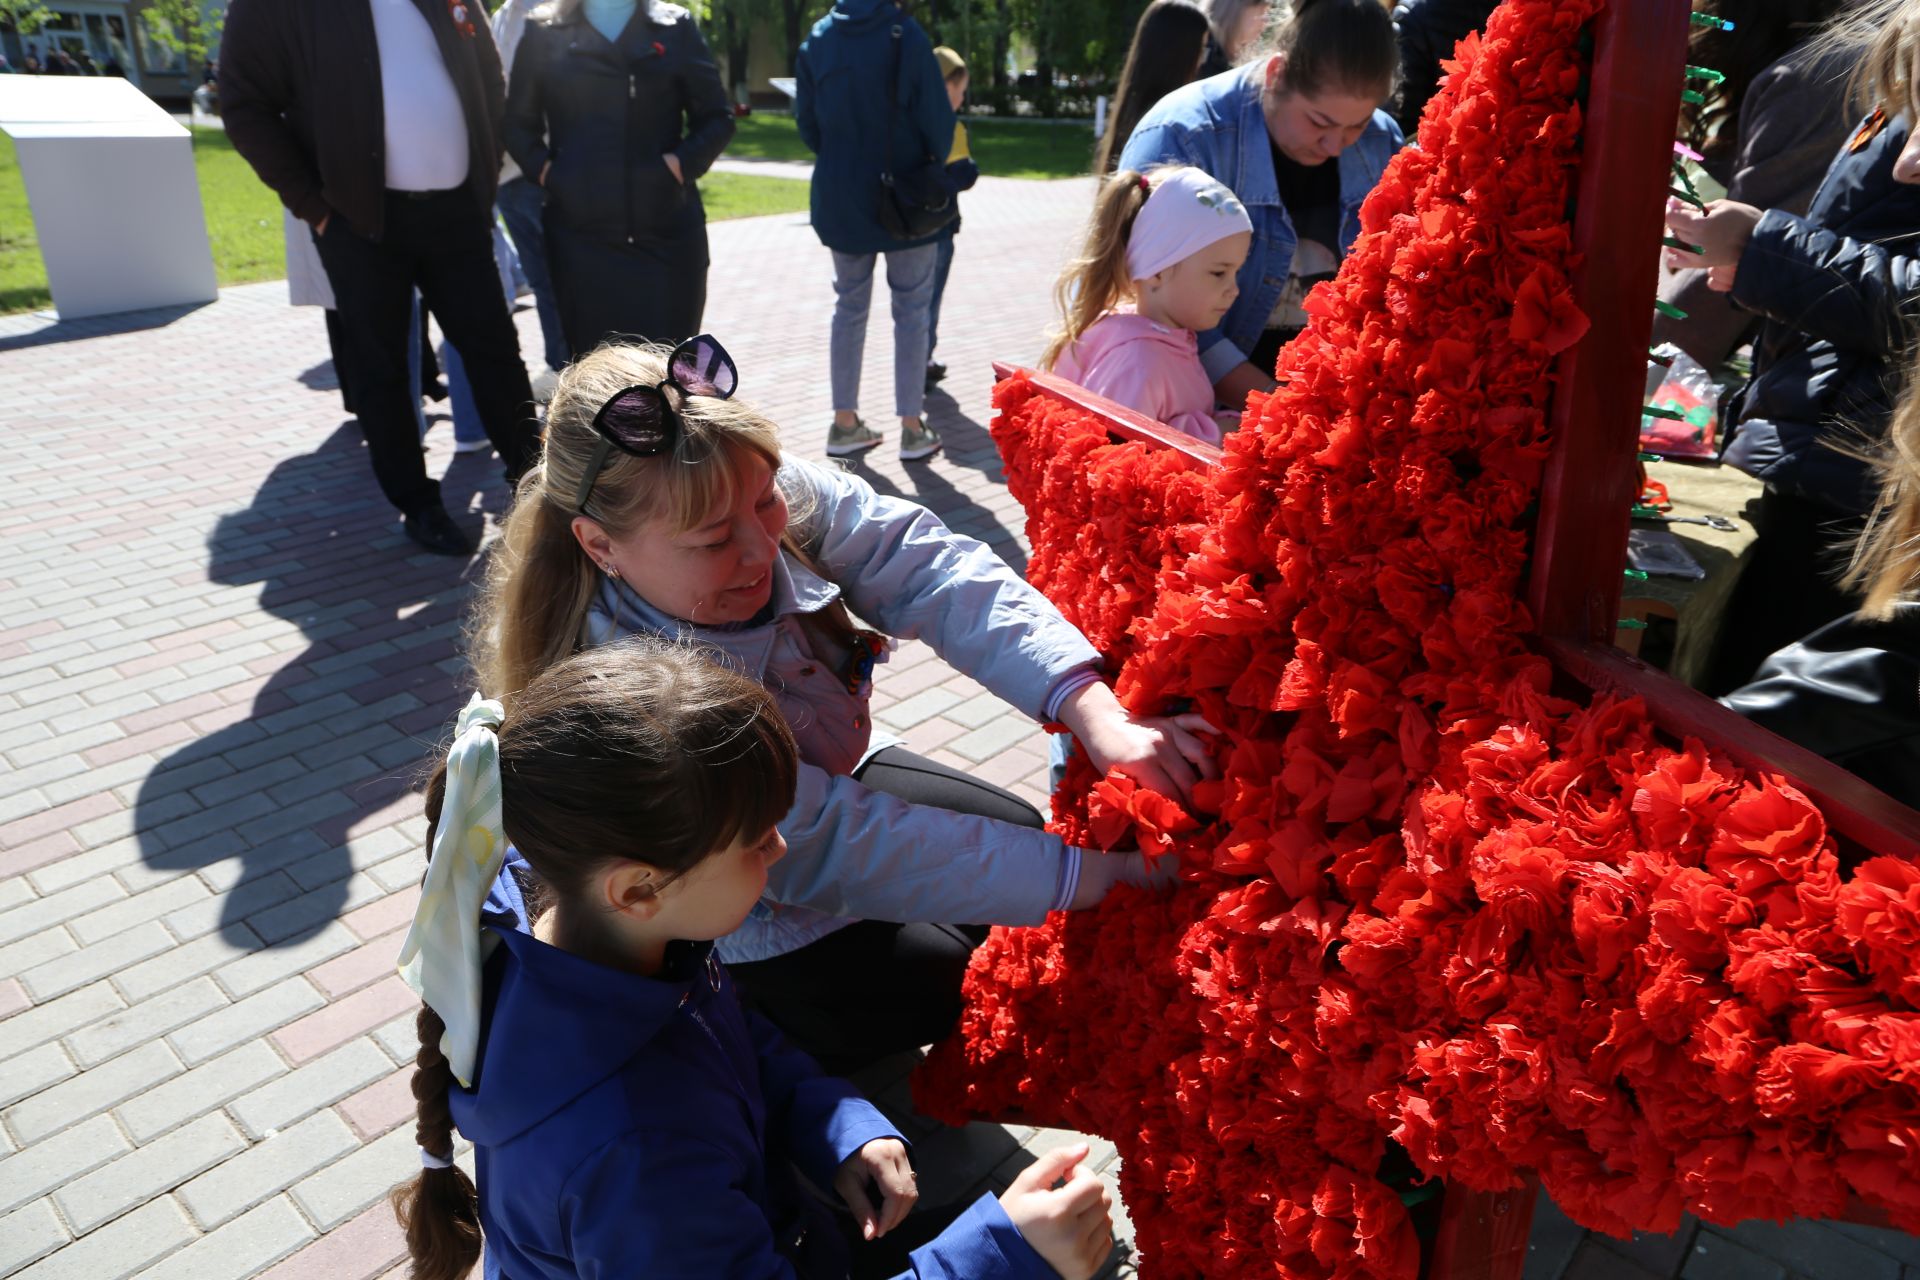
x=1095, y=281
x=538, y=589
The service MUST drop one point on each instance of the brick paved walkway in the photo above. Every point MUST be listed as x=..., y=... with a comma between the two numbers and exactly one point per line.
x=220, y=670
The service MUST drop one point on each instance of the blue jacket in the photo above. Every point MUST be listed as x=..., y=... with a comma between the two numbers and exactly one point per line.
x=1839, y=290
x=853, y=853
x=1217, y=125
x=840, y=104
x=649, y=1127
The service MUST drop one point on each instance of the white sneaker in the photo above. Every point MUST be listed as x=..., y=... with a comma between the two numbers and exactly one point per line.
x=472, y=446
x=543, y=384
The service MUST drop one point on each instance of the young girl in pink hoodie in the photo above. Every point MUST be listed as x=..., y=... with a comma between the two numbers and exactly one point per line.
x=1161, y=262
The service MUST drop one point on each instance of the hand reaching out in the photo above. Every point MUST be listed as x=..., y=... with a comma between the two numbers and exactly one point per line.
x=1161, y=753
x=1722, y=230
x=883, y=1164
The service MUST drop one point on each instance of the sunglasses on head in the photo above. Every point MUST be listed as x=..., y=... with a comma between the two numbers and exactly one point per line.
x=641, y=419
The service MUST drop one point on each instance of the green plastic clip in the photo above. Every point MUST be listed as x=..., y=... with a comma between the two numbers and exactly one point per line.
x=1708, y=74
x=1687, y=197
x=1654, y=357
x=1634, y=575
x=1675, y=242
x=1661, y=411
x=1668, y=310
x=1693, y=96
x=1651, y=457
x=1710, y=20
x=1644, y=513
x=1632, y=624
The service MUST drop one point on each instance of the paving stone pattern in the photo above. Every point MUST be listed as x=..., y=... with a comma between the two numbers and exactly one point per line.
x=221, y=669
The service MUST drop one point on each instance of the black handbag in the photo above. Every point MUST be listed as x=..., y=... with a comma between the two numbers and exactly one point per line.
x=917, y=203
x=1849, y=692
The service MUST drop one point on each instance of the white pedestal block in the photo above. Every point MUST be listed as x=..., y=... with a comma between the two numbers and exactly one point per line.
x=116, y=204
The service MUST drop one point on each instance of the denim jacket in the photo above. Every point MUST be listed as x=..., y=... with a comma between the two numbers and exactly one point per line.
x=853, y=853
x=1218, y=125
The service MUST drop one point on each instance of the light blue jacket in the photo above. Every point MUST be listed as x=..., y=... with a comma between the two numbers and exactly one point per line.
x=1217, y=124
x=853, y=853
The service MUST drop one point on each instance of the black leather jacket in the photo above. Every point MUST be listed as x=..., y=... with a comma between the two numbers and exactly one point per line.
x=1837, y=291
x=1428, y=30
x=605, y=112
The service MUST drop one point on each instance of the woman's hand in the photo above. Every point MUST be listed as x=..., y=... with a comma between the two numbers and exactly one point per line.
x=1723, y=231
x=545, y=169
x=673, y=167
x=882, y=1162
x=1160, y=753
x=1071, y=1226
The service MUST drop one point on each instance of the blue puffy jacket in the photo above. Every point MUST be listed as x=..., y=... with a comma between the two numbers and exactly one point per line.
x=1838, y=290
x=649, y=1127
x=840, y=104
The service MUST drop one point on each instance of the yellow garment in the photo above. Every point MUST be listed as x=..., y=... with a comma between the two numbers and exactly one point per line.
x=959, y=151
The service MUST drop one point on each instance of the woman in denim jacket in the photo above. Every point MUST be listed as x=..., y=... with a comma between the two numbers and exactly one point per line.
x=1268, y=130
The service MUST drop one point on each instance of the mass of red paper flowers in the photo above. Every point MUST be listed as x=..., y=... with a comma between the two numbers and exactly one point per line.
x=1428, y=900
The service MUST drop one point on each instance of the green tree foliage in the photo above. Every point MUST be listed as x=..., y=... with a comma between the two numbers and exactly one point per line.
x=183, y=27
x=24, y=16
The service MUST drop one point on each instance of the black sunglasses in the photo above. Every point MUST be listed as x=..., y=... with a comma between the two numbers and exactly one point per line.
x=642, y=421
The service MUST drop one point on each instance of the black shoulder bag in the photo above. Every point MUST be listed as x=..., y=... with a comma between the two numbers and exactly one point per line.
x=917, y=203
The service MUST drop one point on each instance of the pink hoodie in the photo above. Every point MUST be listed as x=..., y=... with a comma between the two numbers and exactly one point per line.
x=1147, y=367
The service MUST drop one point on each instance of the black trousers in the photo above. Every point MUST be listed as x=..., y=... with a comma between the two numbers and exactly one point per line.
x=441, y=243
x=1786, y=590
x=876, y=988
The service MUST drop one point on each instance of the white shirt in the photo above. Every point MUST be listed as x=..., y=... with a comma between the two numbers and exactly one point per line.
x=426, y=127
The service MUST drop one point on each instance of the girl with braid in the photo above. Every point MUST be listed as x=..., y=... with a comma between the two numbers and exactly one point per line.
x=628, y=1118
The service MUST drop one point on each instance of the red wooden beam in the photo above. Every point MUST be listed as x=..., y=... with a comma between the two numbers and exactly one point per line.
x=1123, y=422
x=1591, y=479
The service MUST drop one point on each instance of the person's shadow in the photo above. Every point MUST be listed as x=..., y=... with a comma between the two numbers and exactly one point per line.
x=284, y=799
x=965, y=443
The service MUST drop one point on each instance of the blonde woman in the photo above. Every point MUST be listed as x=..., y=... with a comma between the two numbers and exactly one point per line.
x=666, y=507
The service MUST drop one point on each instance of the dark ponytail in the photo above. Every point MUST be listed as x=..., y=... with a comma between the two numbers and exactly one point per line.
x=1345, y=45
x=440, y=1208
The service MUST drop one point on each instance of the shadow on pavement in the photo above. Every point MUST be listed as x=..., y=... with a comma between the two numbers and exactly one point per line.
x=264, y=804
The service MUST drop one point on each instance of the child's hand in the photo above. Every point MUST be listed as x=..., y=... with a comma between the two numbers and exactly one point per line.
x=1723, y=231
x=882, y=1162
x=1159, y=753
x=1070, y=1227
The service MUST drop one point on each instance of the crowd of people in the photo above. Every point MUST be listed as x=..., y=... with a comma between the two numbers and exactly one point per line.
x=670, y=763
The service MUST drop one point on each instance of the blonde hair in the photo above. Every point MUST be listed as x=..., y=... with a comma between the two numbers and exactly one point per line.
x=1885, y=565
x=1096, y=281
x=1886, y=33
x=540, y=580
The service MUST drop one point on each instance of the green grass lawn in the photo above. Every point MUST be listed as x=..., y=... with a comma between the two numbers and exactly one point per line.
x=243, y=217
x=1004, y=148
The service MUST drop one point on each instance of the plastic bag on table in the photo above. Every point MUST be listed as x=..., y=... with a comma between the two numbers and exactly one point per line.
x=1684, y=388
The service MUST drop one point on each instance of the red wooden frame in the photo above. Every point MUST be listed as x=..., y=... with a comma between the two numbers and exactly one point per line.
x=1580, y=540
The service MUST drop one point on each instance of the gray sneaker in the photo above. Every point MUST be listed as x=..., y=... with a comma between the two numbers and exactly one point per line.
x=843, y=442
x=918, y=442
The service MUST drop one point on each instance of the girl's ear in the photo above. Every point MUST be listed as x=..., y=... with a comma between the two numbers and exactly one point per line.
x=632, y=889
x=593, y=539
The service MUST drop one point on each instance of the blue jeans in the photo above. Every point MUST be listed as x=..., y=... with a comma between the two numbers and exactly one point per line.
x=945, y=246
x=910, y=275
x=522, y=205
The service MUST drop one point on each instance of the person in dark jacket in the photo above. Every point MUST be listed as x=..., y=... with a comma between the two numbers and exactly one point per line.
x=1428, y=31
x=1766, y=135
x=628, y=1117
x=1836, y=290
x=378, y=123
x=617, y=110
x=841, y=103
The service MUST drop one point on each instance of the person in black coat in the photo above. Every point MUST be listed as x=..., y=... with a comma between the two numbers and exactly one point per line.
x=1428, y=30
x=618, y=128
x=1837, y=291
